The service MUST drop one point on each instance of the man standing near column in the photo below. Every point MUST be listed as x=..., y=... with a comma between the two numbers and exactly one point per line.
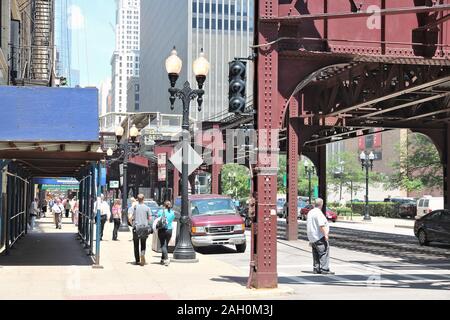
x=318, y=235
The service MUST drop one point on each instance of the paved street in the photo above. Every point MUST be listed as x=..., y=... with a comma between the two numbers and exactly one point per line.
x=368, y=265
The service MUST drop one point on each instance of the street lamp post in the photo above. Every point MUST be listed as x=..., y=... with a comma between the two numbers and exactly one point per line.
x=309, y=169
x=129, y=148
x=367, y=163
x=184, y=249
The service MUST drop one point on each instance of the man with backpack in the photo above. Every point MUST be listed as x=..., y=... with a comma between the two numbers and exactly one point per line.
x=141, y=221
x=164, y=226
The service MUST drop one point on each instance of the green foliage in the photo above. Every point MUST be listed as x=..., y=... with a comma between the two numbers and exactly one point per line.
x=303, y=180
x=419, y=166
x=378, y=209
x=344, y=171
x=235, y=181
x=344, y=212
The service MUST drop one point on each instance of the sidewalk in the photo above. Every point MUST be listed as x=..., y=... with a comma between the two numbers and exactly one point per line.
x=51, y=264
x=379, y=224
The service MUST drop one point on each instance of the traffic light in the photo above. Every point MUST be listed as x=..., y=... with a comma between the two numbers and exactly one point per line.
x=63, y=81
x=238, y=94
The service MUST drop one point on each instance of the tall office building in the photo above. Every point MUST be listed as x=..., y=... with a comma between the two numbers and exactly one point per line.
x=223, y=28
x=63, y=40
x=125, y=60
x=103, y=96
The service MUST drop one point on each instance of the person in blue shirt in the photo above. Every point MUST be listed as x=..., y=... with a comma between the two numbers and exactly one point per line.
x=165, y=229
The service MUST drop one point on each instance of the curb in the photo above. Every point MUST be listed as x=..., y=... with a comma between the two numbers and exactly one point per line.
x=250, y=293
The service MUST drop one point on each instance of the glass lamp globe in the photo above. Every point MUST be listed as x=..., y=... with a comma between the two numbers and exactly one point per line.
x=372, y=156
x=363, y=156
x=173, y=63
x=134, y=132
x=201, y=65
x=120, y=132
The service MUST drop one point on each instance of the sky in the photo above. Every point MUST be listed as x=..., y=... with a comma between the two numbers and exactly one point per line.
x=93, y=39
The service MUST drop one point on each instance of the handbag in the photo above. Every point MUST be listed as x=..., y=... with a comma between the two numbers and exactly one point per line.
x=143, y=231
x=162, y=223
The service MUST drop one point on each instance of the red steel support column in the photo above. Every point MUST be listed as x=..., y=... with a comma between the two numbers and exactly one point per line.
x=292, y=169
x=216, y=167
x=446, y=167
x=263, y=266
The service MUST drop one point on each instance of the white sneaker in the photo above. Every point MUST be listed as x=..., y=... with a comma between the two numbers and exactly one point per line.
x=167, y=262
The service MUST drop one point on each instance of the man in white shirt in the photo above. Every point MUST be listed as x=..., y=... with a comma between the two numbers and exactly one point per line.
x=105, y=213
x=57, y=211
x=34, y=213
x=318, y=236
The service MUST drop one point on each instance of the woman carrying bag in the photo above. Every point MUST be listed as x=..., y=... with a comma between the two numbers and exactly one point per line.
x=164, y=226
x=116, y=218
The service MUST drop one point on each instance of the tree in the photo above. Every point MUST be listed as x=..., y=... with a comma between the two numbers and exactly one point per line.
x=236, y=181
x=419, y=167
x=344, y=174
x=303, y=180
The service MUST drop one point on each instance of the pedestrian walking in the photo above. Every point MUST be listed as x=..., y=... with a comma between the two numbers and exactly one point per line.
x=75, y=212
x=44, y=207
x=67, y=207
x=34, y=213
x=116, y=213
x=164, y=227
x=318, y=231
x=141, y=221
x=105, y=213
x=58, y=211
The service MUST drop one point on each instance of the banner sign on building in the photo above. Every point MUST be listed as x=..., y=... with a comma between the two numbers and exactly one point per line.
x=162, y=167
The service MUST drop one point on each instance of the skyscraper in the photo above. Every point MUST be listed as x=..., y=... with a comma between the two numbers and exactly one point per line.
x=63, y=40
x=125, y=60
x=223, y=28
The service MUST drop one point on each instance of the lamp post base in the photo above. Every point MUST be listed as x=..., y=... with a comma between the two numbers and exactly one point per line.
x=367, y=219
x=184, y=260
x=185, y=255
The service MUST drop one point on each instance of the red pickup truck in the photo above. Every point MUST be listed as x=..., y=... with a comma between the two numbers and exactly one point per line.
x=214, y=221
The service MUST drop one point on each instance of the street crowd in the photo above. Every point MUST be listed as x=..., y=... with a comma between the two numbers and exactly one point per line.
x=139, y=216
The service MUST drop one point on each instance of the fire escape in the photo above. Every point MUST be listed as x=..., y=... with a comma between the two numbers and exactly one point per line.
x=42, y=43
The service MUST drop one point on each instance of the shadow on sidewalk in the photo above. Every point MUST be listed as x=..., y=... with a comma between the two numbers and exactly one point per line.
x=47, y=249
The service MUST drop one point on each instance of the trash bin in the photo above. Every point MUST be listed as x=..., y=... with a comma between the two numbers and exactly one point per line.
x=156, y=244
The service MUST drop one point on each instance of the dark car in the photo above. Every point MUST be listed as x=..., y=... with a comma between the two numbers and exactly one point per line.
x=434, y=227
x=408, y=210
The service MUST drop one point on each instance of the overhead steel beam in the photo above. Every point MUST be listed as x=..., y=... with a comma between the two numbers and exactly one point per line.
x=346, y=15
x=429, y=114
x=405, y=105
x=390, y=96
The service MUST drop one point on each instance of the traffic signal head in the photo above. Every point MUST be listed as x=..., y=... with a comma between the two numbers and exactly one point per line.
x=238, y=78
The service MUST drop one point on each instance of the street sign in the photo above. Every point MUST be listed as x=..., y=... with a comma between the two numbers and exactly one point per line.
x=114, y=185
x=193, y=159
x=162, y=167
x=109, y=142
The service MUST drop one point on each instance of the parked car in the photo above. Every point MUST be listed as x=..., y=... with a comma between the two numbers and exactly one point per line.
x=304, y=212
x=214, y=221
x=154, y=207
x=300, y=205
x=433, y=227
x=280, y=207
x=408, y=210
x=429, y=204
x=331, y=215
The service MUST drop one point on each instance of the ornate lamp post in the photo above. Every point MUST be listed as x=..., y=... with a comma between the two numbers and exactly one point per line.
x=125, y=150
x=184, y=249
x=309, y=170
x=367, y=163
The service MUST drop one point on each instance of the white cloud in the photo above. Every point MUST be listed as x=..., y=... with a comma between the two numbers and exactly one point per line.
x=76, y=18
